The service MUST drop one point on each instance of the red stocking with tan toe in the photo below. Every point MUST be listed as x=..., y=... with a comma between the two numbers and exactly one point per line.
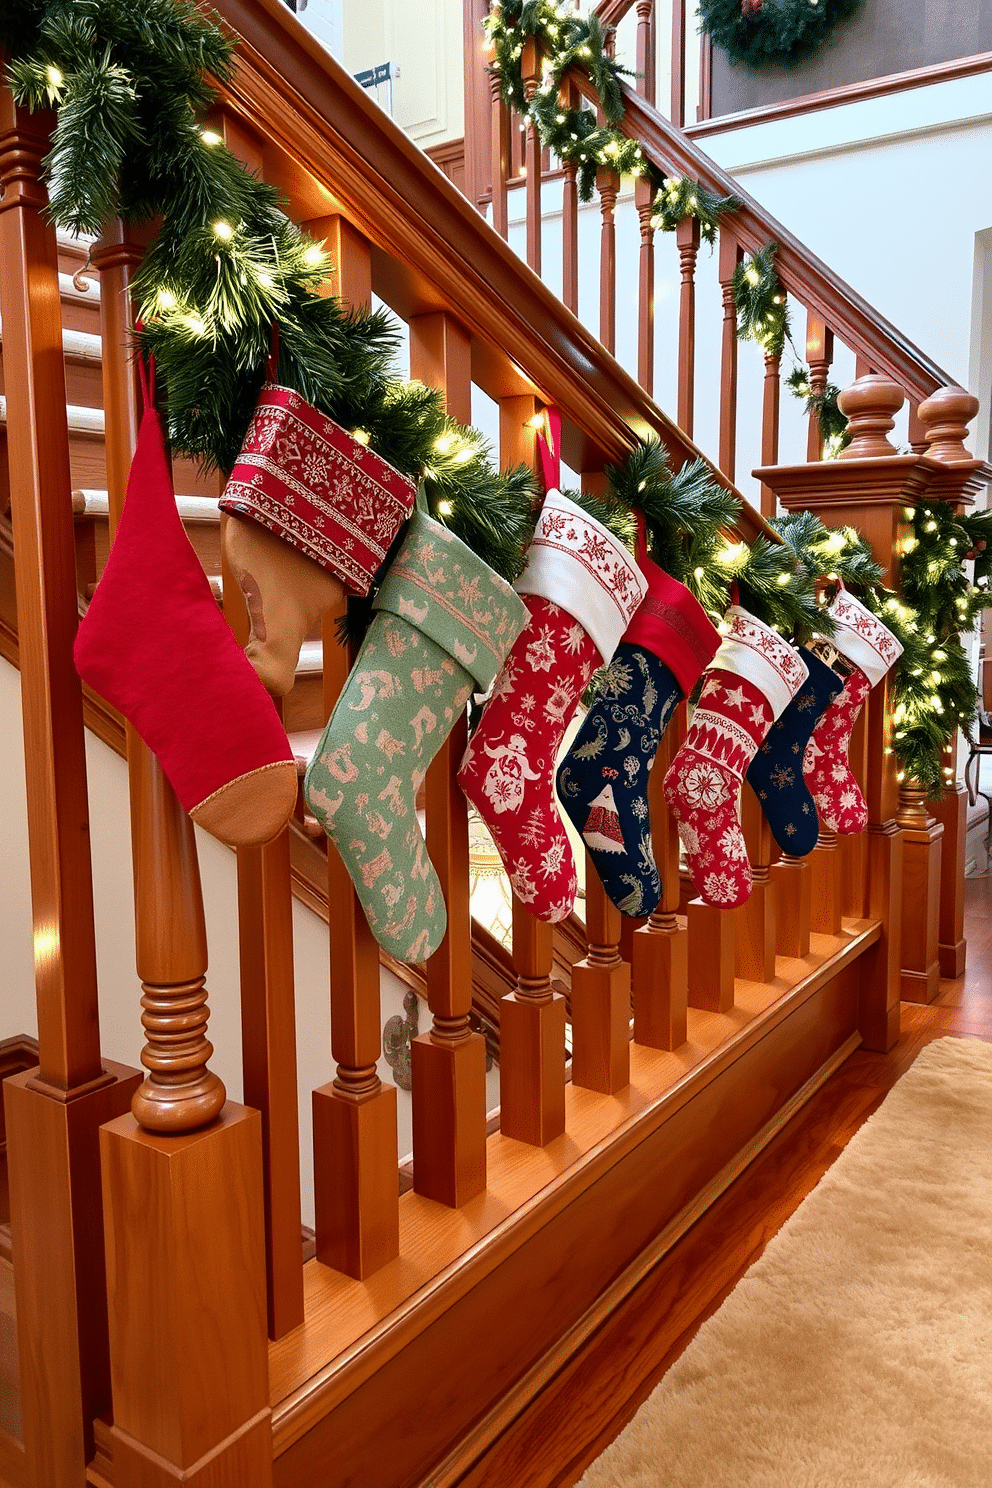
x=155, y=645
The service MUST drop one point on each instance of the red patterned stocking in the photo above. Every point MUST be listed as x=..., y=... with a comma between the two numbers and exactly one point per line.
x=871, y=649
x=753, y=677
x=581, y=587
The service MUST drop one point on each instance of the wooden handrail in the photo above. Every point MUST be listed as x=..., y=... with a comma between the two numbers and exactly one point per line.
x=805, y=275
x=312, y=112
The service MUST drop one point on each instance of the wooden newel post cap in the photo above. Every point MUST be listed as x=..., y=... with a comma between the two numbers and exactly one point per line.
x=946, y=415
x=530, y=65
x=870, y=405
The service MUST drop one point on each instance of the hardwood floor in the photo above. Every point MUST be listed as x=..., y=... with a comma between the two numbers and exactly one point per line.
x=584, y=1407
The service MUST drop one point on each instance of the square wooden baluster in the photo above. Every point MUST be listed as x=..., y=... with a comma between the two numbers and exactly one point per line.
x=755, y=933
x=712, y=934
x=793, y=895
x=532, y=1039
x=600, y=998
x=660, y=961
x=825, y=870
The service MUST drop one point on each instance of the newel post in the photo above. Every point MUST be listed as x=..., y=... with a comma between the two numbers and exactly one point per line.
x=873, y=488
x=956, y=476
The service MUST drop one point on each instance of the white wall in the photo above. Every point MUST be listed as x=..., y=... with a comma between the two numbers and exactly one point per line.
x=121, y=1037
x=424, y=38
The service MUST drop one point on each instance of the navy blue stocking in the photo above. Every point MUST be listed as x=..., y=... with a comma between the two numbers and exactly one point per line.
x=603, y=780
x=776, y=772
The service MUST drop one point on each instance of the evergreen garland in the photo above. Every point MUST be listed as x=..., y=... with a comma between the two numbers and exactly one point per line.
x=680, y=198
x=127, y=77
x=565, y=39
x=760, y=32
x=763, y=317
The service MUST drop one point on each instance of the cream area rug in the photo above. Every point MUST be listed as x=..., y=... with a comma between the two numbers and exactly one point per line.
x=857, y=1352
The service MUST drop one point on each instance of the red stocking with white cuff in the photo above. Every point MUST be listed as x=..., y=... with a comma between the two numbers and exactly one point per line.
x=581, y=588
x=753, y=677
x=871, y=650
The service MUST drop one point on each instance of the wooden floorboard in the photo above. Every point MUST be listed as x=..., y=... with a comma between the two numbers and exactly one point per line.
x=583, y=1408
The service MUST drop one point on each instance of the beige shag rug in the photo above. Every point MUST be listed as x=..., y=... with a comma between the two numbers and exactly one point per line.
x=857, y=1352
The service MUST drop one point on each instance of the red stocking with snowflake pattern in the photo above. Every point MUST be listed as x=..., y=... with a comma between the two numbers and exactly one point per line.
x=753, y=677
x=871, y=649
x=581, y=588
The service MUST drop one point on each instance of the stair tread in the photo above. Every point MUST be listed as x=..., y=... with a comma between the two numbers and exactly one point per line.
x=78, y=345
x=81, y=420
x=92, y=503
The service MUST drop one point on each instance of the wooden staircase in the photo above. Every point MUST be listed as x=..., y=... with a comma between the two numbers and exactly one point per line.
x=173, y=1334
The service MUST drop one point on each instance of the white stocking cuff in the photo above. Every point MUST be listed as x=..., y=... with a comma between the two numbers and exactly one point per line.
x=753, y=650
x=575, y=562
x=862, y=638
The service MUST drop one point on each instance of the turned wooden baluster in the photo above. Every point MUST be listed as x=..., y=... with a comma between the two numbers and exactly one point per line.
x=53, y=1114
x=355, y=1152
x=756, y=920
x=500, y=155
x=922, y=836
x=644, y=197
x=600, y=999
x=570, y=218
x=532, y=1017
x=819, y=355
x=449, y=1062
x=268, y=1013
x=771, y=403
x=854, y=848
x=793, y=885
x=687, y=240
x=660, y=966
x=826, y=870
x=645, y=51
x=608, y=186
x=677, y=111
x=729, y=257
x=530, y=71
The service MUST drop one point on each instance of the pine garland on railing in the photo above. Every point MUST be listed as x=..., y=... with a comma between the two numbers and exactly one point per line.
x=680, y=197
x=127, y=77
x=763, y=317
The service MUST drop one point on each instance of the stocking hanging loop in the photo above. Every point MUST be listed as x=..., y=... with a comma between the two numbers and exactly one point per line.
x=272, y=366
x=146, y=372
x=549, y=448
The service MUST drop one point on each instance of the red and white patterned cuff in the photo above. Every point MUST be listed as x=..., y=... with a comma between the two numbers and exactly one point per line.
x=862, y=638
x=315, y=486
x=576, y=562
x=751, y=649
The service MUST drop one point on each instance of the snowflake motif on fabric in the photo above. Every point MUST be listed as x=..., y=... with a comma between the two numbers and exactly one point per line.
x=702, y=788
x=838, y=797
x=507, y=771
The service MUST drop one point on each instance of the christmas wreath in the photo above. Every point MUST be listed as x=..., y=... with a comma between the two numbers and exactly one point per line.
x=761, y=32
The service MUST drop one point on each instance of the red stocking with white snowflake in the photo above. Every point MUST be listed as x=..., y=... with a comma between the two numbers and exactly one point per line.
x=581, y=588
x=871, y=649
x=751, y=680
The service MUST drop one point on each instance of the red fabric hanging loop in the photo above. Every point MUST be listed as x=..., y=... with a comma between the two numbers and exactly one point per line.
x=146, y=373
x=272, y=366
x=642, y=537
x=549, y=449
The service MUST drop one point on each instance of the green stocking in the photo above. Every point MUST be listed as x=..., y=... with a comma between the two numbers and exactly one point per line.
x=444, y=625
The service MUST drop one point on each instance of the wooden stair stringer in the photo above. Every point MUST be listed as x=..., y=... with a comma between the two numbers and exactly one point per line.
x=480, y=1296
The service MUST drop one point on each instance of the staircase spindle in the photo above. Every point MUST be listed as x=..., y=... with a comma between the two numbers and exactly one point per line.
x=922, y=838
x=854, y=848
x=712, y=956
x=645, y=50
x=449, y=1062
x=677, y=111
x=500, y=155
x=530, y=70
x=770, y=408
x=687, y=241
x=755, y=932
x=729, y=256
x=819, y=355
x=826, y=869
x=608, y=186
x=644, y=195
x=793, y=883
x=600, y=998
x=532, y=1017
x=570, y=219
x=355, y=1150
x=660, y=965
